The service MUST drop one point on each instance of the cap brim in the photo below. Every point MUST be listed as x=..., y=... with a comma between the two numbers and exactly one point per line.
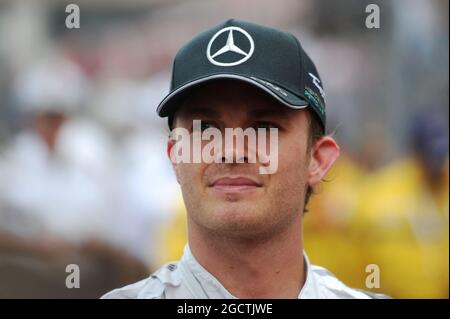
x=169, y=103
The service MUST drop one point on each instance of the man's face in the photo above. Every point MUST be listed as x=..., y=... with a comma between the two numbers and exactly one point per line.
x=48, y=124
x=234, y=199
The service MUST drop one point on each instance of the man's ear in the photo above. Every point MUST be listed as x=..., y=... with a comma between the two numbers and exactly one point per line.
x=324, y=153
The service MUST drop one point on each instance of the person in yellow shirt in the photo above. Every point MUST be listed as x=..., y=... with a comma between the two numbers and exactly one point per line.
x=402, y=221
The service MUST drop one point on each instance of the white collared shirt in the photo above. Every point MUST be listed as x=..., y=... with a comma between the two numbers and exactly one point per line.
x=187, y=279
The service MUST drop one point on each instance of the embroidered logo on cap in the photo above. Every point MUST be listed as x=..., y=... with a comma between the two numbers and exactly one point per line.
x=230, y=46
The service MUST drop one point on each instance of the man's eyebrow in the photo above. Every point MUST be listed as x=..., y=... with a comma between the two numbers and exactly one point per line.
x=198, y=110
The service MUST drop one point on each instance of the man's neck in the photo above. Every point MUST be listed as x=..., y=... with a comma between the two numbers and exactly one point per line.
x=273, y=268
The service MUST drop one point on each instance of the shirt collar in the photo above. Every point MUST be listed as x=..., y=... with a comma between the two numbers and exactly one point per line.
x=214, y=289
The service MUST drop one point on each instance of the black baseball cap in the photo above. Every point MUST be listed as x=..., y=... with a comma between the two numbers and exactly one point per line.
x=270, y=59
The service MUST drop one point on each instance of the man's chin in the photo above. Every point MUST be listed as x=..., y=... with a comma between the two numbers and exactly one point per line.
x=252, y=195
x=240, y=229
x=236, y=215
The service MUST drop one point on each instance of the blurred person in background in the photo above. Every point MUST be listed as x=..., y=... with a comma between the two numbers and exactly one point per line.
x=402, y=223
x=48, y=95
x=56, y=195
x=333, y=212
x=146, y=187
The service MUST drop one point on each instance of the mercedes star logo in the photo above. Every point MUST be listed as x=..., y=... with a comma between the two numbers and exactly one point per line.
x=230, y=46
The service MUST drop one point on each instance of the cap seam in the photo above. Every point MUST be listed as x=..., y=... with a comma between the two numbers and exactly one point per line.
x=299, y=47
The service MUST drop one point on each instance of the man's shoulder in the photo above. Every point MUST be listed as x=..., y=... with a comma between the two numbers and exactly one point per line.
x=152, y=287
x=327, y=285
x=321, y=283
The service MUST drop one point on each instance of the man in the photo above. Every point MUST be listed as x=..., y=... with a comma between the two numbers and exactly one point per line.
x=244, y=226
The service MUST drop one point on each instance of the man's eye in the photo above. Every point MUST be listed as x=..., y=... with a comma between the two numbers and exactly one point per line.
x=266, y=125
x=204, y=125
x=207, y=125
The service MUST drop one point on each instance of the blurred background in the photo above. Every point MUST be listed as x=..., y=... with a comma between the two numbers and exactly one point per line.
x=84, y=177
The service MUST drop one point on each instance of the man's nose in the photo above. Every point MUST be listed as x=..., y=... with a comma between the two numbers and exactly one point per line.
x=235, y=151
x=233, y=158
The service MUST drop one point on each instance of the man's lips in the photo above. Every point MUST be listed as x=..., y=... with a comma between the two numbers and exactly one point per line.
x=235, y=184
